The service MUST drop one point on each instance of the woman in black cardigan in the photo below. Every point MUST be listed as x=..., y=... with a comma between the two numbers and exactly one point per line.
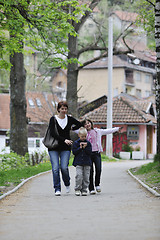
x=60, y=155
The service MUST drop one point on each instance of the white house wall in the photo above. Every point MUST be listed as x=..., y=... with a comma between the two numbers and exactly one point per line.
x=31, y=149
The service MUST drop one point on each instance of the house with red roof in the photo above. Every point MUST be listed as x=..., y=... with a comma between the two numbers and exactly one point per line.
x=40, y=107
x=136, y=117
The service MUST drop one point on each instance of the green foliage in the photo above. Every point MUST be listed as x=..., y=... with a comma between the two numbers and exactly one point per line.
x=13, y=161
x=43, y=25
x=16, y=176
x=127, y=148
x=157, y=157
x=146, y=16
x=149, y=174
x=137, y=148
x=147, y=168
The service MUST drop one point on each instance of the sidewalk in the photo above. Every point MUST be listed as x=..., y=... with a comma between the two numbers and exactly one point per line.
x=123, y=211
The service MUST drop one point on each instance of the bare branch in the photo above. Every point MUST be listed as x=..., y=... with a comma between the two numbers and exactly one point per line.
x=92, y=5
x=151, y=3
x=93, y=60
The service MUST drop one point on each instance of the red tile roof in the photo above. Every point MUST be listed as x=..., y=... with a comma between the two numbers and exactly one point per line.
x=37, y=113
x=118, y=62
x=124, y=111
x=126, y=16
x=40, y=113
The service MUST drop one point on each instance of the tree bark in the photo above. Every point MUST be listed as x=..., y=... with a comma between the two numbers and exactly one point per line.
x=72, y=76
x=72, y=71
x=18, y=128
x=157, y=39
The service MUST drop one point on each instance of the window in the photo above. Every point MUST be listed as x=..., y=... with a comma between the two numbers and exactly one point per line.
x=115, y=92
x=31, y=103
x=138, y=92
x=31, y=143
x=138, y=76
x=59, y=84
x=90, y=25
x=38, y=102
x=7, y=143
x=27, y=60
x=37, y=143
x=147, y=78
x=133, y=132
x=147, y=93
x=53, y=103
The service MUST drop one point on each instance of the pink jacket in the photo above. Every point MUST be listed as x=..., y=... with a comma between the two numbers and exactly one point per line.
x=100, y=132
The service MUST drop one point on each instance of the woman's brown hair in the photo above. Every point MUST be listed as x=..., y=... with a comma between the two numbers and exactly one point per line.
x=60, y=104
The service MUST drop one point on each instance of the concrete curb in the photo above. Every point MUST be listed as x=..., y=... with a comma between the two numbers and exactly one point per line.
x=144, y=185
x=21, y=184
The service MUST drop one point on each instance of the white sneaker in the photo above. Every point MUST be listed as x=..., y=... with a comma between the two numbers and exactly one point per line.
x=92, y=192
x=77, y=193
x=67, y=189
x=57, y=193
x=84, y=194
x=98, y=189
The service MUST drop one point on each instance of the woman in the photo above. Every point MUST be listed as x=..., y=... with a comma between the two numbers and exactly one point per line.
x=59, y=156
x=94, y=137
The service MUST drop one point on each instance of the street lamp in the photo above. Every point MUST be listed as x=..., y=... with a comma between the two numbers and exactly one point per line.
x=109, y=97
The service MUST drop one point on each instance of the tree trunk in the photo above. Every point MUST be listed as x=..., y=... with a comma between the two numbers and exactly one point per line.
x=72, y=71
x=157, y=39
x=18, y=126
x=72, y=76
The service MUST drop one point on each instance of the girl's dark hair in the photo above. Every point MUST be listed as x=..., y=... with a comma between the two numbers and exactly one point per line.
x=87, y=120
x=60, y=104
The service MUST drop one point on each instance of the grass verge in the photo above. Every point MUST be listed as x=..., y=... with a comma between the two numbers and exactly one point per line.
x=149, y=174
x=15, y=176
x=12, y=177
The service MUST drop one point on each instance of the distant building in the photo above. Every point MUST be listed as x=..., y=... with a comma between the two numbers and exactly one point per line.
x=133, y=74
x=136, y=116
x=40, y=107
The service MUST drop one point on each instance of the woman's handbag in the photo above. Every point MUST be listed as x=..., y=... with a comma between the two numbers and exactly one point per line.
x=49, y=141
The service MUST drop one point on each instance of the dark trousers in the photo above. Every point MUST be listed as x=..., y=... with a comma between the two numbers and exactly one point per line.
x=97, y=165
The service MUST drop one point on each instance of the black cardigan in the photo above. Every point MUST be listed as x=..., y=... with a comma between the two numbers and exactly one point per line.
x=63, y=133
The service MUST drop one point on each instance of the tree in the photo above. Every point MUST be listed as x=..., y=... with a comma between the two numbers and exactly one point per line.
x=157, y=37
x=149, y=12
x=26, y=22
x=75, y=52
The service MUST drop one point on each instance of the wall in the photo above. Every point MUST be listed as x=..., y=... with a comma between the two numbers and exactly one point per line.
x=142, y=82
x=93, y=83
x=32, y=148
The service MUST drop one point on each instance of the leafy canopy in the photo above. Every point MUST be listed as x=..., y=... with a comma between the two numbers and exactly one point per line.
x=146, y=13
x=43, y=25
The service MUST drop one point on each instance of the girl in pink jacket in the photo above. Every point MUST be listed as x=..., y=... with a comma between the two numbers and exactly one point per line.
x=94, y=137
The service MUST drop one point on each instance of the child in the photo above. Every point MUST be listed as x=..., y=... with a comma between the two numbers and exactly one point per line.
x=82, y=150
x=94, y=136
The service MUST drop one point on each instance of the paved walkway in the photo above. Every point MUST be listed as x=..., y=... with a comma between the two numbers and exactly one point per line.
x=123, y=211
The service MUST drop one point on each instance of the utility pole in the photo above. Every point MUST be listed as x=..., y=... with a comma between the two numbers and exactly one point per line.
x=109, y=97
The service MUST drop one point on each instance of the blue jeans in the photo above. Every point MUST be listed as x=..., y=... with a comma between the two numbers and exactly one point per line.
x=60, y=161
x=96, y=160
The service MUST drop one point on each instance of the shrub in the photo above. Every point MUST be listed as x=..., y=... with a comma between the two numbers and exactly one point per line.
x=157, y=157
x=127, y=148
x=13, y=160
x=137, y=148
